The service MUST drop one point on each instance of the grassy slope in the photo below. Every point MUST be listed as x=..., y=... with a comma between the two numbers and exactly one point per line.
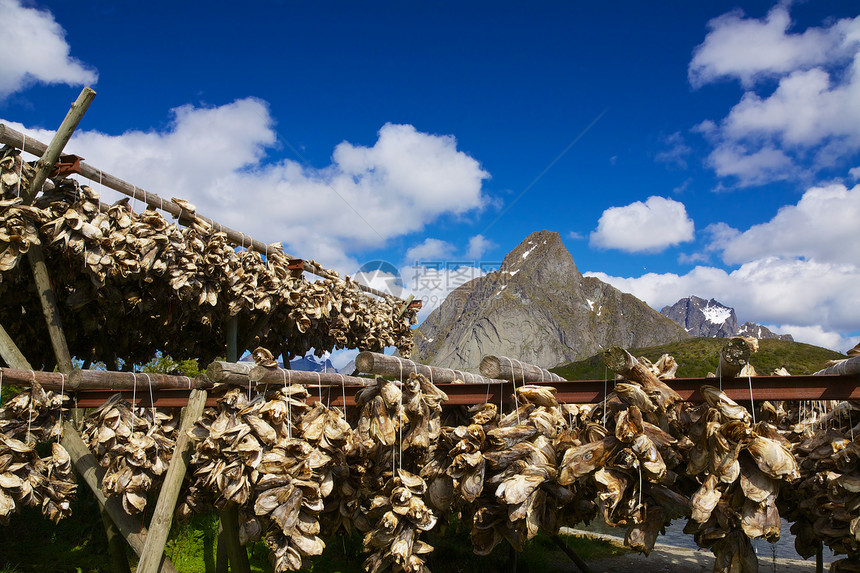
x=698, y=356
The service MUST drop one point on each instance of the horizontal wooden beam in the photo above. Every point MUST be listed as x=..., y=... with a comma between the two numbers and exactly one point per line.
x=804, y=387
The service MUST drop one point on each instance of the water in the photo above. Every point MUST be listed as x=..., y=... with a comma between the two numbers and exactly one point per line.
x=675, y=535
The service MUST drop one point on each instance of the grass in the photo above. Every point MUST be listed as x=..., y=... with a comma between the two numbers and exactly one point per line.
x=31, y=543
x=698, y=356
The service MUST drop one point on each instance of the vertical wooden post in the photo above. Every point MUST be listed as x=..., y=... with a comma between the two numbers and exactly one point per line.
x=34, y=254
x=229, y=547
x=162, y=517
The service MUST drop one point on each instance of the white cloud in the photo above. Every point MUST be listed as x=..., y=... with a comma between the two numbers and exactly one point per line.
x=817, y=336
x=430, y=250
x=811, y=119
x=33, y=49
x=749, y=49
x=676, y=151
x=216, y=157
x=478, y=245
x=771, y=290
x=822, y=226
x=651, y=226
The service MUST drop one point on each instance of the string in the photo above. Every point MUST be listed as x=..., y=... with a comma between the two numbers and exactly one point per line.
x=189, y=382
x=605, y=392
x=151, y=399
x=752, y=401
x=514, y=381
x=21, y=166
x=400, y=421
x=62, y=395
x=133, y=393
x=30, y=412
x=289, y=374
x=319, y=384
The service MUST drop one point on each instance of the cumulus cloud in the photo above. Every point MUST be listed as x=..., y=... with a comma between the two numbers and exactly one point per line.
x=651, y=226
x=430, y=249
x=768, y=291
x=821, y=226
x=749, y=49
x=478, y=246
x=810, y=119
x=33, y=49
x=218, y=158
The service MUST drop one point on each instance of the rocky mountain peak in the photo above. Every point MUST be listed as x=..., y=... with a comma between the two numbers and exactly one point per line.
x=538, y=308
x=712, y=319
x=540, y=249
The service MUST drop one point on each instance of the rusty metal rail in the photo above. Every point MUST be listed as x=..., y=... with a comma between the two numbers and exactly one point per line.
x=805, y=387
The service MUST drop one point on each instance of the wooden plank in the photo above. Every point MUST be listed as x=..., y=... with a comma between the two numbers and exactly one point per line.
x=85, y=462
x=162, y=517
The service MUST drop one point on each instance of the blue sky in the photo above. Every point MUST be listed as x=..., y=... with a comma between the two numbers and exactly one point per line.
x=682, y=148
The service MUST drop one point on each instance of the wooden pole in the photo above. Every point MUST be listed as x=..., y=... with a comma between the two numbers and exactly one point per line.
x=10, y=352
x=162, y=517
x=102, y=380
x=384, y=365
x=262, y=376
x=577, y=560
x=50, y=308
x=14, y=138
x=733, y=357
x=37, y=259
x=237, y=373
x=85, y=462
x=622, y=362
x=846, y=366
x=49, y=158
x=512, y=369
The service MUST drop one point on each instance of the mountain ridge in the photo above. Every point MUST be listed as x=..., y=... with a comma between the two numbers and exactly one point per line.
x=539, y=308
x=712, y=319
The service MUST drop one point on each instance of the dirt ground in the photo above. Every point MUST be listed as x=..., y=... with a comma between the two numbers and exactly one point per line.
x=671, y=559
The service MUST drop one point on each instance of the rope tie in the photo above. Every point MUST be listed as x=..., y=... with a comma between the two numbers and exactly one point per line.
x=319, y=385
x=62, y=394
x=30, y=408
x=752, y=401
x=21, y=166
x=343, y=387
x=605, y=393
x=151, y=398
x=514, y=382
x=133, y=393
x=289, y=374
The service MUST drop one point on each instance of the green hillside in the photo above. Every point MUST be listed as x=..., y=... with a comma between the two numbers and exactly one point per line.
x=698, y=356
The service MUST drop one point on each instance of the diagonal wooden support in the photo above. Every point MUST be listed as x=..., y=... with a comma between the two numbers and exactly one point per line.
x=10, y=353
x=34, y=254
x=159, y=527
x=85, y=462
